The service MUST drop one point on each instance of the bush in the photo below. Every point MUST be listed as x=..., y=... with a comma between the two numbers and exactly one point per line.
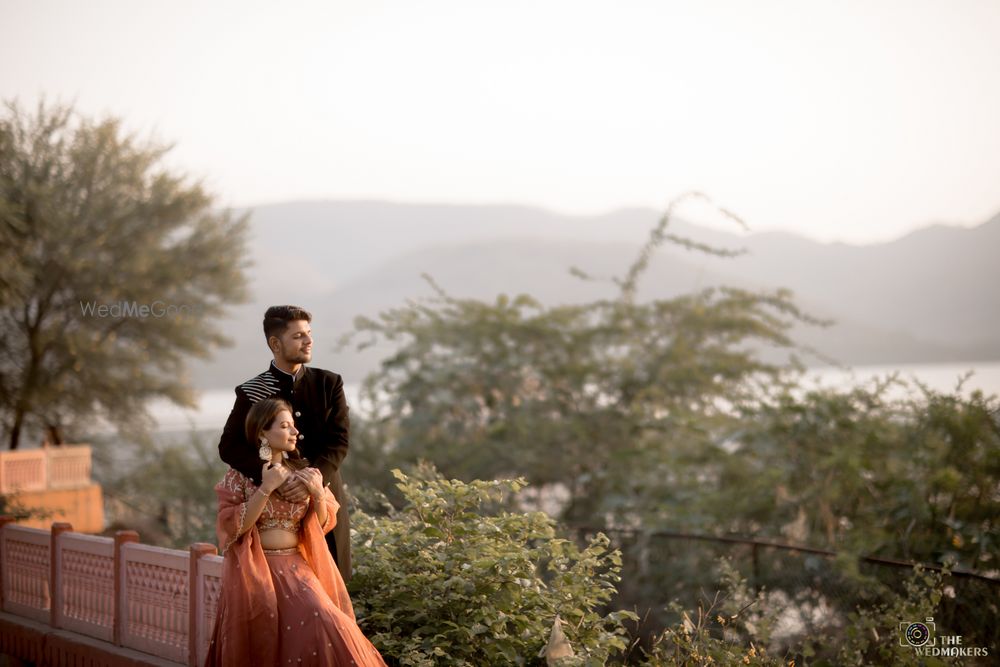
x=735, y=628
x=872, y=633
x=732, y=628
x=12, y=507
x=454, y=579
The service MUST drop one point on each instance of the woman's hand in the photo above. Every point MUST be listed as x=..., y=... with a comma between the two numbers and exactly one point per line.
x=272, y=476
x=293, y=490
x=313, y=480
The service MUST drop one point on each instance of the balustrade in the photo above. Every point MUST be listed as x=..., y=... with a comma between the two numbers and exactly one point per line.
x=63, y=467
x=87, y=570
x=158, y=601
x=24, y=553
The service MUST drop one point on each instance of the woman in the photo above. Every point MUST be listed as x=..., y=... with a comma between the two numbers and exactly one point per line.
x=283, y=600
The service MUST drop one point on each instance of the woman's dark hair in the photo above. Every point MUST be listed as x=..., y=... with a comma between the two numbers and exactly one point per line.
x=277, y=318
x=261, y=417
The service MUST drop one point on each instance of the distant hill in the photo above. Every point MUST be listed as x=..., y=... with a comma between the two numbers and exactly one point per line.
x=926, y=297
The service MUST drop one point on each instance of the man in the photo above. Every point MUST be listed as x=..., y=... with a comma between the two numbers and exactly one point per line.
x=320, y=411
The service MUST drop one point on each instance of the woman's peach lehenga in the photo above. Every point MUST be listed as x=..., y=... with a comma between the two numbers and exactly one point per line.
x=285, y=606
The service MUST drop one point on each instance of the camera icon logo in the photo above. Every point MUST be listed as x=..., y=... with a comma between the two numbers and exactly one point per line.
x=917, y=634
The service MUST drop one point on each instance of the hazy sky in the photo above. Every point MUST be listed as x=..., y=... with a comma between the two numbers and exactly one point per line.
x=836, y=119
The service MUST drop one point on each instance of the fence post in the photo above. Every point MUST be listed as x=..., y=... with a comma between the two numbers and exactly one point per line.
x=756, y=570
x=197, y=550
x=55, y=574
x=4, y=520
x=122, y=537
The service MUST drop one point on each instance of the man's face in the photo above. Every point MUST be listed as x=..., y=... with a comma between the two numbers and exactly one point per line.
x=295, y=345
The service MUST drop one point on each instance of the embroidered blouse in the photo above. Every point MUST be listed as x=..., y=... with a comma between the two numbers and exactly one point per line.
x=277, y=513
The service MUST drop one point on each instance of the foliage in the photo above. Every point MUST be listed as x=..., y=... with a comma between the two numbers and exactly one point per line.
x=724, y=630
x=732, y=628
x=165, y=490
x=454, y=579
x=699, y=640
x=95, y=219
x=872, y=634
x=863, y=472
x=913, y=478
x=599, y=402
x=630, y=416
x=11, y=506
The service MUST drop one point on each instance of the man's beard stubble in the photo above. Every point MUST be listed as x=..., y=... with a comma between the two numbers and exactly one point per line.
x=299, y=357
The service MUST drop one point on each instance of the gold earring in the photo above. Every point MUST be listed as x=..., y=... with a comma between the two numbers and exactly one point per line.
x=265, y=450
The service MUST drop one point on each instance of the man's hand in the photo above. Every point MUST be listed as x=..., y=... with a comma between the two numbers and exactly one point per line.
x=293, y=490
x=313, y=480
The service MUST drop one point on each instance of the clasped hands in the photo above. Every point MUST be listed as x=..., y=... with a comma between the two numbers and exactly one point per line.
x=298, y=485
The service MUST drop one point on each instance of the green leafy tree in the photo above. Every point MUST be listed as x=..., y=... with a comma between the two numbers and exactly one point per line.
x=626, y=415
x=591, y=403
x=914, y=478
x=95, y=224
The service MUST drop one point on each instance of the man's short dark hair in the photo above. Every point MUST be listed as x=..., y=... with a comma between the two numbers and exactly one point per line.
x=277, y=319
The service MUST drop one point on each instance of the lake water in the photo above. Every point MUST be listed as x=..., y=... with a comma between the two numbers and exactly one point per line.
x=214, y=406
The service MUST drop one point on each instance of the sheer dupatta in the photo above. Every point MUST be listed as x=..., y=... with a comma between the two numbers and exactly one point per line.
x=248, y=609
x=316, y=552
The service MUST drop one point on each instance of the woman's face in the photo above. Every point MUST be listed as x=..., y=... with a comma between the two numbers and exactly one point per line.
x=282, y=435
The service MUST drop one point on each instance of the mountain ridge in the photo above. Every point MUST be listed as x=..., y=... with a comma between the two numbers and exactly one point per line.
x=920, y=298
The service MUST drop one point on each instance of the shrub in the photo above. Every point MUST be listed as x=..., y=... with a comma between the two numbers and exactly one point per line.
x=453, y=578
x=735, y=627
x=12, y=507
x=732, y=628
x=873, y=633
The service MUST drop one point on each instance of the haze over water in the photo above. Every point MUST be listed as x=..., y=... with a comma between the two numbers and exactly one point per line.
x=216, y=404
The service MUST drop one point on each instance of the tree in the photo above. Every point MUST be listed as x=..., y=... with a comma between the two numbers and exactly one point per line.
x=591, y=401
x=914, y=478
x=114, y=269
x=636, y=417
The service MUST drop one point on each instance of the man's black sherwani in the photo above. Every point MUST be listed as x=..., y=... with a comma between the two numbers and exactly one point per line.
x=320, y=411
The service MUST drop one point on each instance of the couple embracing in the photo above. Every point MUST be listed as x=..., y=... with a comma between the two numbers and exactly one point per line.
x=283, y=532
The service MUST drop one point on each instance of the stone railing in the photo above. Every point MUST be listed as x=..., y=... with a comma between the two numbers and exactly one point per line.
x=114, y=590
x=63, y=467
